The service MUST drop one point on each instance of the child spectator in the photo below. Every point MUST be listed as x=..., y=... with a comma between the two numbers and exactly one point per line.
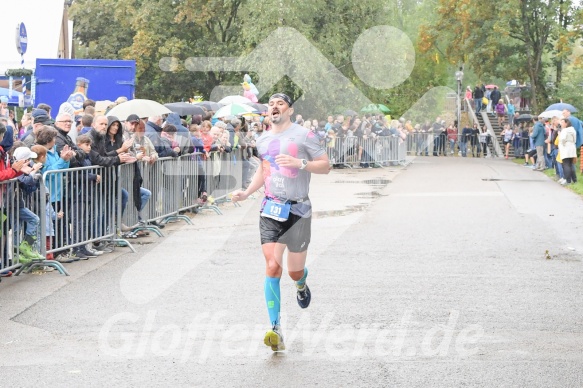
x=29, y=183
x=41, y=158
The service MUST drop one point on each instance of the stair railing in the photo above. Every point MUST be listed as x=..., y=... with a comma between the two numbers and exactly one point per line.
x=493, y=137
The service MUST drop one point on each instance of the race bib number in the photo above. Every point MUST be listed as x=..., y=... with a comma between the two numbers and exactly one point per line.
x=275, y=210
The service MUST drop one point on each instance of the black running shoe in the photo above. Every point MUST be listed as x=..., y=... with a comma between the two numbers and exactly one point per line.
x=304, y=296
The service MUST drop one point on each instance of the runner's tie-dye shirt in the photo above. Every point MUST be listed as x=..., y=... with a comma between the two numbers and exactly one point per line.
x=283, y=182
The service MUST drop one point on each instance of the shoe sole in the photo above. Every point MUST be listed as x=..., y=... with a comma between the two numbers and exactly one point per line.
x=273, y=340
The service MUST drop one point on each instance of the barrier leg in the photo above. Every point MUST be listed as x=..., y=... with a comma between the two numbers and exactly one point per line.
x=28, y=267
x=124, y=243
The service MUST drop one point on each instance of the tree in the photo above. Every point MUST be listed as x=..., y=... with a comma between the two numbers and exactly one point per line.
x=486, y=34
x=162, y=35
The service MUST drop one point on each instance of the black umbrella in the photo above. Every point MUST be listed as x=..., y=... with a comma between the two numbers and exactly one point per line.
x=523, y=118
x=258, y=107
x=210, y=105
x=185, y=109
x=350, y=113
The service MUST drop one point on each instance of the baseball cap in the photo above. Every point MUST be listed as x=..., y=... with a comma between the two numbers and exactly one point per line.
x=40, y=116
x=23, y=153
x=133, y=118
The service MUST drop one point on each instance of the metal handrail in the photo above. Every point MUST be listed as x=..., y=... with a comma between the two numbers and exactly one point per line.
x=493, y=137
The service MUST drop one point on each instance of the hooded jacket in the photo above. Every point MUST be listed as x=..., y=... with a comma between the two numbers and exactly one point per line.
x=111, y=146
x=174, y=119
x=182, y=134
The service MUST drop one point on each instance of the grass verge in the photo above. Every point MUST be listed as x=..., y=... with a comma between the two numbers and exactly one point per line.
x=575, y=187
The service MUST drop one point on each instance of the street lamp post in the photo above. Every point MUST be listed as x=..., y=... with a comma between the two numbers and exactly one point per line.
x=459, y=76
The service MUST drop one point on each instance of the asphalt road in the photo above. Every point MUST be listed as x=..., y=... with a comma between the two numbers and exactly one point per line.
x=433, y=275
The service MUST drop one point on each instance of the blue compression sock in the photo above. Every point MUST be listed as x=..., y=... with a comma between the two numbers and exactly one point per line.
x=272, y=298
x=302, y=281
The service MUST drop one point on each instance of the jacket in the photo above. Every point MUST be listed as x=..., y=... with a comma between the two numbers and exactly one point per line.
x=567, y=140
x=98, y=143
x=495, y=96
x=55, y=181
x=62, y=140
x=478, y=93
x=6, y=172
x=112, y=145
x=538, y=134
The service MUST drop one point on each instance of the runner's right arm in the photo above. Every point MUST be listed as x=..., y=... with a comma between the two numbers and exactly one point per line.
x=255, y=185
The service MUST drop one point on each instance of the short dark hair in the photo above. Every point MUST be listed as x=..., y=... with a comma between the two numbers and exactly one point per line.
x=88, y=102
x=169, y=128
x=568, y=121
x=86, y=120
x=45, y=107
x=46, y=135
x=84, y=139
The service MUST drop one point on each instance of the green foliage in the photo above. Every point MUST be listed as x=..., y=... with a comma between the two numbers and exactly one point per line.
x=571, y=89
x=149, y=30
x=18, y=72
x=511, y=38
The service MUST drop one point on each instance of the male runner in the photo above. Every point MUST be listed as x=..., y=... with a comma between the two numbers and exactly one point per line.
x=289, y=154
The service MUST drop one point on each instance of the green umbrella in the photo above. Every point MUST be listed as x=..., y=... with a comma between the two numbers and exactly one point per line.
x=372, y=108
x=234, y=110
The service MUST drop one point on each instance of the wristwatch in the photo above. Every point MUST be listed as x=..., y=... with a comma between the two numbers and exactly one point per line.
x=304, y=164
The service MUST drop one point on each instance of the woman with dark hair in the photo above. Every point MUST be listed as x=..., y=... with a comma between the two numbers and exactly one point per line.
x=114, y=136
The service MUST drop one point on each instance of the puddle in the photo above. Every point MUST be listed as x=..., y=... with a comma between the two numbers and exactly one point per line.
x=369, y=194
x=338, y=213
x=377, y=182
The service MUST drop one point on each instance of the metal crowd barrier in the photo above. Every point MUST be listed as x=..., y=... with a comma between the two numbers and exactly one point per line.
x=9, y=217
x=223, y=173
x=163, y=184
x=84, y=207
x=367, y=151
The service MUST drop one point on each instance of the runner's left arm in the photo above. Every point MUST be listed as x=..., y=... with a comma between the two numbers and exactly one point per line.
x=320, y=165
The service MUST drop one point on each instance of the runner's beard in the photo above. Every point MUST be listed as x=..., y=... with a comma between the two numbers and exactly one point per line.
x=276, y=120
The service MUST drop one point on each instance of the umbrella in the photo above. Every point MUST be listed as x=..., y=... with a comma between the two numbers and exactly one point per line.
x=372, y=108
x=549, y=114
x=523, y=118
x=142, y=108
x=350, y=113
x=258, y=107
x=562, y=106
x=235, y=100
x=491, y=86
x=234, y=110
x=185, y=109
x=210, y=105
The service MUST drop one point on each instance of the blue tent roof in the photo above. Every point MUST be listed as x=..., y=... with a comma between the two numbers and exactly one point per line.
x=15, y=96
